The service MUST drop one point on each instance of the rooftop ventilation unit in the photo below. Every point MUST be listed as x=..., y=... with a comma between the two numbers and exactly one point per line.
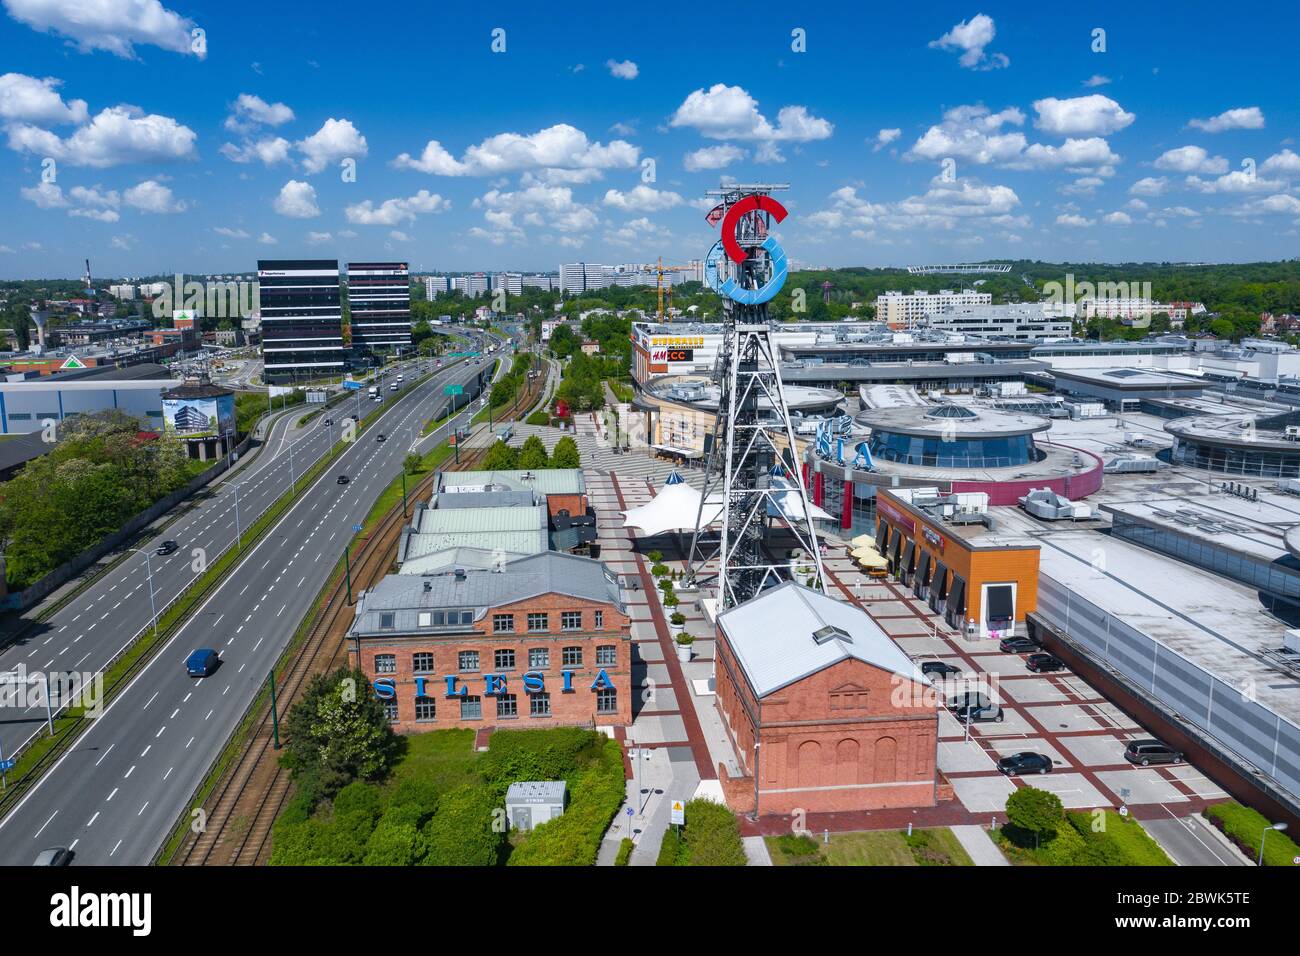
x=824, y=635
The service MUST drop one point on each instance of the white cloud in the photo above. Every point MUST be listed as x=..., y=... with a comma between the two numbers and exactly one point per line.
x=269, y=150
x=267, y=239
x=318, y=237
x=633, y=232
x=1097, y=80
x=945, y=207
x=26, y=99
x=1091, y=152
x=391, y=212
x=884, y=138
x=81, y=201
x=45, y=195
x=251, y=110
x=1093, y=115
x=1238, y=181
x=399, y=236
x=153, y=196
x=1118, y=219
x=1073, y=220
x=335, y=140
x=729, y=112
x=559, y=147
x=230, y=233
x=972, y=133
x=297, y=200
x=117, y=135
x=1268, y=206
x=1191, y=159
x=113, y=25
x=642, y=199
x=623, y=69
x=1149, y=186
x=538, y=206
x=1243, y=117
x=971, y=37
x=1285, y=163
x=712, y=157
x=1083, y=186
x=125, y=241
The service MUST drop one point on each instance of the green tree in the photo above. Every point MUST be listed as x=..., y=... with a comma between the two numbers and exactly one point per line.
x=411, y=463
x=566, y=454
x=533, y=454
x=501, y=457
x=465, y=830
x=1036, y=811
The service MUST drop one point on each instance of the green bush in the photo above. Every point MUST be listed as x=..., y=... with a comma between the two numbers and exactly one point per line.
x=672, y=852
x=712, y=836
x=549, y=754
x=800, y=849
x=659, y=570
x=1122, y=842
x=573, y=839
x=394, y=844
x=464, y=831
x=538, y=417
x=1244, y=826
x=678, y=618
x=655, y=556
x=624, y=852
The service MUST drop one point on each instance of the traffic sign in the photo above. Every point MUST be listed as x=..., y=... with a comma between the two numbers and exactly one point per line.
x=353, y=386
x=679, y=814
x=453, y=390
x=356, y=529
x=7, y=764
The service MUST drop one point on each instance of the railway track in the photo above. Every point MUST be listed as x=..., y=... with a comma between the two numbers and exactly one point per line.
x=251, y=793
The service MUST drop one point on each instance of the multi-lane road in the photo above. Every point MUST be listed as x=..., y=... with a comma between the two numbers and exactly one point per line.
x=113, y=797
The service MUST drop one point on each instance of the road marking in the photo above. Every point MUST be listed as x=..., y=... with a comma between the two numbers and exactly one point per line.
x=105, y=754
x=111, y=795
x=93, y=819
x=146, y=803
x=160, y=732
x=114, y=850
x=47, y=823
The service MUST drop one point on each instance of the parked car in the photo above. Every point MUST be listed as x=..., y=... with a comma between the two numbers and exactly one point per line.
x=54, y=856
x=1042, y=663
x=1016, y=645
x=940, y=669
x=1025, y=762
x=202, y=662
x=1149, y=751
x=166, y=548
x=980, y=714
x=968, y=698
x=343, y=479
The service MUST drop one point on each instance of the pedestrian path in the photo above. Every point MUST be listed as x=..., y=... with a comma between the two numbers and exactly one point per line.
x=978, y=845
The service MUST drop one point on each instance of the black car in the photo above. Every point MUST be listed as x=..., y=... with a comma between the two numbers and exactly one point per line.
x=166, y=548
x=328, y=421
x=343, y=479
x=980, y=713
x=380, y=437
x=1042, y=663
x=1016, y=645
x=1149, y=751
x=1025, y=762
x=940, y=669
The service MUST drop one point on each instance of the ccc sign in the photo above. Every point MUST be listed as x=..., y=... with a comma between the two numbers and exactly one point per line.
x=729, y=246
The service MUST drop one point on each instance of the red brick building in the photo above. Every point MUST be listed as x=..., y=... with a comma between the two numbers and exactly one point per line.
x=543, y=641
x=841, y=717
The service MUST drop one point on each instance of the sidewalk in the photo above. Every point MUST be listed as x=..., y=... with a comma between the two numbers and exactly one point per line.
x=975, y=841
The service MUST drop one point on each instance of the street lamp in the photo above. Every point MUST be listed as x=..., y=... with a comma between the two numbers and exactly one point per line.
x=1273, y=826
x=239, y=535
x=153, y=607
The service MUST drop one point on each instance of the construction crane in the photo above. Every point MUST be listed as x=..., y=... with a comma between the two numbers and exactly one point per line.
x=660, y=270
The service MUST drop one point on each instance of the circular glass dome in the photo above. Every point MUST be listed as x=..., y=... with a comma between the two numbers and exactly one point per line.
x=951, y=411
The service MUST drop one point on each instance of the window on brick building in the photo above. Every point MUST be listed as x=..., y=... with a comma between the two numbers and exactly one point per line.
x=426, y=708
x=425, y=619
x=504, y=658
x=503, y=623
x=539, y=658
x=507, y=705
x=387, y=621
x=390, y=710
x=607, y=701
x=606, y=655
x=539, y=622
x=600, y=619
x=571, y=620
x=385, y=663
x=471, y=708
x=422, y=662
x=849, y=698
x=571, y=656
x=467, y=660
x=539, y=705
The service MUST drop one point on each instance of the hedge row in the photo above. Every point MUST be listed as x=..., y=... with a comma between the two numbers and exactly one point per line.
x=1244, y=827
x=711, y=837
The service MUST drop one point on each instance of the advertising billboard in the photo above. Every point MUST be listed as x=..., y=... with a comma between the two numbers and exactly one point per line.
x=199, y=417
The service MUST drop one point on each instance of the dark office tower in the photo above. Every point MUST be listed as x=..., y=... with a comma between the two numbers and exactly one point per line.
x=379, y=298
x=302, y=319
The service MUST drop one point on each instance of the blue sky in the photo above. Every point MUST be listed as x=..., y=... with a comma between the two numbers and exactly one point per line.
x=940, y=132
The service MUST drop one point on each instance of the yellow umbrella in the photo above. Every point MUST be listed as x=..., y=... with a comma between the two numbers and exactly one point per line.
x=873, y=561
x=863, y=552
x=863, y=541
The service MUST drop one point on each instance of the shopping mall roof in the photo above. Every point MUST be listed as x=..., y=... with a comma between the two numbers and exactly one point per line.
x=951, y=421
x=790, y=632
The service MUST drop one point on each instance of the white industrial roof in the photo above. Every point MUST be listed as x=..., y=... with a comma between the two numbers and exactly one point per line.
x=773, y=637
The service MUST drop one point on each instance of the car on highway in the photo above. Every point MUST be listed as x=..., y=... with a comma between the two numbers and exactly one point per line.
x=166, y=548
x=394, y=387
x=327, y=421
x=1016, y=645
x=54, y=856
x=939, y=669
x=380, y=437
x=1043, y=663
x=1149, y=750
x=343, y=479
x=1025, y=762
x=202, y=662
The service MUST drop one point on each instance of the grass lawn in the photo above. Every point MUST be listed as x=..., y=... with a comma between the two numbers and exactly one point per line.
x=444, y=758
x=1084, y=840
x=936, y=847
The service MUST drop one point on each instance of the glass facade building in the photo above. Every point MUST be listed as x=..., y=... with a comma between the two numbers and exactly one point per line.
x=302, y=318
x=936, y=452
x=379, y=300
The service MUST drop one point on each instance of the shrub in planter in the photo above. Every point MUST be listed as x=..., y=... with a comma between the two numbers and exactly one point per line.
x=678, y=618
x=665, y=585
x=670, y=599
x=656, y=556
x=684, y=639
x=659, y=570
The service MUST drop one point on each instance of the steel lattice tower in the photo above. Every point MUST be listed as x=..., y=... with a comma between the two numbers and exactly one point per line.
x=752, y=445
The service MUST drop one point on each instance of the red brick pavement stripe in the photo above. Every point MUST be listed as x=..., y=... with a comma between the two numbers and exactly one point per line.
x=699, y=748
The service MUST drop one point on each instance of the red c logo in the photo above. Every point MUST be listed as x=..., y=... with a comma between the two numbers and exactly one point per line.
x=749, y=204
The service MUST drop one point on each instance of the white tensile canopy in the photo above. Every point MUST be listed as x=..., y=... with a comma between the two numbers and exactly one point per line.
x=677, y=506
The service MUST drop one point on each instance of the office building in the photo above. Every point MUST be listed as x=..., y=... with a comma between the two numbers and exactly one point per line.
x=379, y=298
x=511, y=282
x=1022, y=321
x=900, y=310
x=302, y=318
x=435, y=286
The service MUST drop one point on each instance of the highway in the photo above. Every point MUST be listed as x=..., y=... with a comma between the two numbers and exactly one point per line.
x=113, y=797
